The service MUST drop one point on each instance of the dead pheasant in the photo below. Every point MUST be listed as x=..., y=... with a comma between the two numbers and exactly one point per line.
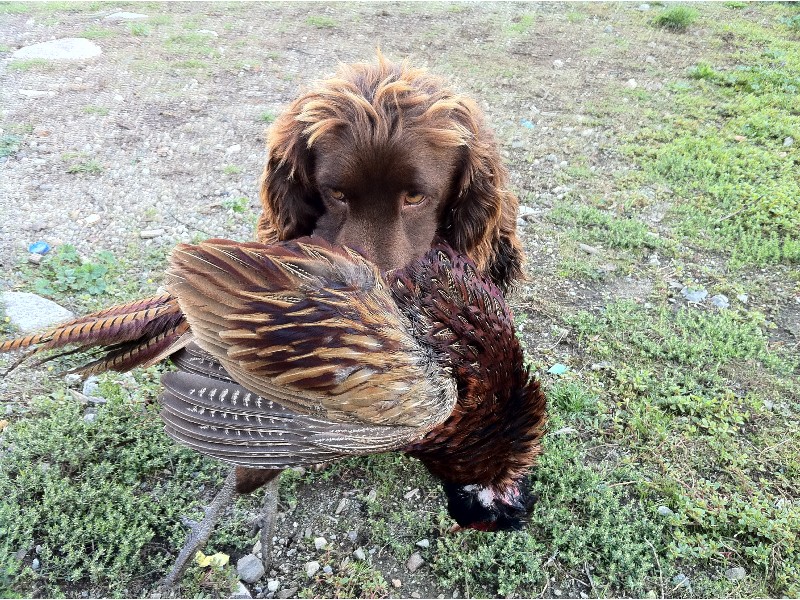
x=303, y=353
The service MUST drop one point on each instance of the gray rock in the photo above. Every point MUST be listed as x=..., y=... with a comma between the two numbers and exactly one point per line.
x=312, y=568
x=90, y=417
x=743, y=298
x=63, y=49
x=694, y=295
x=29, y=312
x=118, y=17
x=720, y=301
x=589, y=249
x=249, y=568
x=352, y=536
x=558, y=64
x=35, y=564
x=644, y=7
x=287, y=593
x=788, y=142
x=327, y=569
x=273, y=585
x=665, y=511
x=682, y=581
x=91, y=386
x=320, y=543
x=423, y=543
x=241, y=592
x=359, y=554
x=148, y=234
x=736, y=573
x=608, y=29
x=341, y=506
x=414, y=562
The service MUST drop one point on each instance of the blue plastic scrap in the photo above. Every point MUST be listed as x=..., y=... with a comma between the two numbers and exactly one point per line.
x=558, y=369
x=39, y=247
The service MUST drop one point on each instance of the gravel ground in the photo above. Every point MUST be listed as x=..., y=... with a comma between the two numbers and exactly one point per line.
x=165, y=131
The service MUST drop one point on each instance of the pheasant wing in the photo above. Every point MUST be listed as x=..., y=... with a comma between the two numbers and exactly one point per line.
x=313, y=327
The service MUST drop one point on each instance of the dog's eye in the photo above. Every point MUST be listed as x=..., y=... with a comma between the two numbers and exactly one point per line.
x=337, y=195
x=414, y=199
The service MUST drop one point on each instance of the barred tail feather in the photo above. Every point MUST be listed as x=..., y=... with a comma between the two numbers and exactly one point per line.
x=130, y=335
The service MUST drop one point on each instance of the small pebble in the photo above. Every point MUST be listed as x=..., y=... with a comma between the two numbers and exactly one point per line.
x=396, y=583
x=273, y=585
x=359, y=554
x=681, y=580
x=788, y=142
x=35, y=564
x=148, y=234
x=665, y=511
x=743, y=298
x=694, y=295
x=320, y=543
x=312, y=568
x=423, y=543
x=720, y=301
x=352, y=536
x=341, y=506
x=736, y=573
x=241, y=592
x=589, y=249
x=558, y=64
x=632, y=84
x=35, y=259
x=92, y=219
x=287, y=593
x=414, y=562
x=415, y=595
x=327, y=569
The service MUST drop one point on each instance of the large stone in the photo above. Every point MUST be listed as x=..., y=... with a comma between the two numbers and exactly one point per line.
x=249, y=568
x=29, y=312
x=63, y=49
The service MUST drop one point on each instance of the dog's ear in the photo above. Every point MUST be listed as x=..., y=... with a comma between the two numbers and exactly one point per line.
x=481, y=219
x=289, y=196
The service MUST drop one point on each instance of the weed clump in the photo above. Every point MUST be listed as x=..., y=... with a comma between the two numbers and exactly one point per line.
x=677, y=18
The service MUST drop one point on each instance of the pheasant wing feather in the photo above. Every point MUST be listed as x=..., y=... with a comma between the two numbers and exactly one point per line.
x=313, y=327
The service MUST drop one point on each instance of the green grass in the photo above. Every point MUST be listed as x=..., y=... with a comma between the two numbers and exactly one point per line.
x=699, y=442
x=723, y=154
x=677, y=18
x=522, y=25
x=95, y=32
x=99, y=499
x=9, y=145
x=140, y=30
x=93, y=109
x=32, y=64
x=231, y=170
x=321, y=22
x=267, y=116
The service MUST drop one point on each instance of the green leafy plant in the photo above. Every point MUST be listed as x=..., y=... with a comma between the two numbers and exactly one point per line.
x=65, y=272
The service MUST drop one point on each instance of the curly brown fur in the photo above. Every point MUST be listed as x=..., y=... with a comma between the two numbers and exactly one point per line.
x=384, y=158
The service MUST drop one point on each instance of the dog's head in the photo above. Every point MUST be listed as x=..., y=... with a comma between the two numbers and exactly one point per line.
x=384, y=158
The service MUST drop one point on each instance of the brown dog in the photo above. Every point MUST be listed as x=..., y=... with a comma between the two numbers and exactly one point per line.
x=383, y=158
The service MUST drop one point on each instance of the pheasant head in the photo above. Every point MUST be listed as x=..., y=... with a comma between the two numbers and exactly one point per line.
x=483, y=451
